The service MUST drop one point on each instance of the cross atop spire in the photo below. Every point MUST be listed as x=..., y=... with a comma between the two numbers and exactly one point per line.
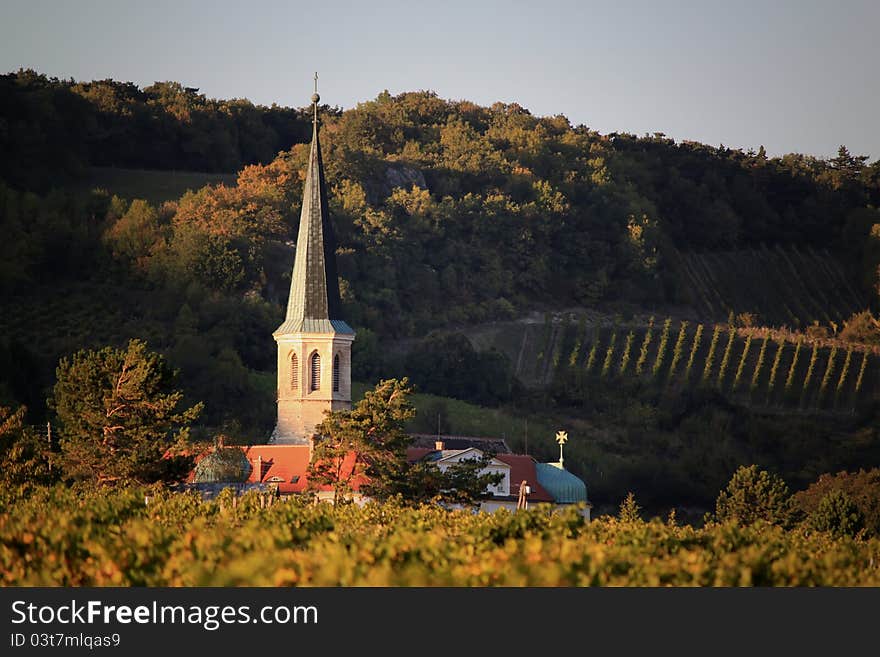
x=315, y=99
x=314, y=305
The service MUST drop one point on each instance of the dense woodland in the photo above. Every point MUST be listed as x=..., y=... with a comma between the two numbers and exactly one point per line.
x=447, y=214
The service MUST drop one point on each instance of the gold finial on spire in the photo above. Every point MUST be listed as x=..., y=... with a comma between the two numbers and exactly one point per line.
x=316, y=98
x=561, y=438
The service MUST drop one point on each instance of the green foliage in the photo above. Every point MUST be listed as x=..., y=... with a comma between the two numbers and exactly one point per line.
x=742, y=362
x=678, y=350
x=814, y=356
x=789, y=380
x=759, y=365
x=725, y=359
x=119, y=415
x=591, y=357
x=698, y=334
x=837, y=514
x=829, y=369
x=367, y=441
x=132, y=236
x=861, y=488
x=661, y=348
x=116, y=539
x=609, y=354
x=23, y=459
x=448, y=365
x=461, y=484
x=162, y=126
x=629, y=509
x=862, y=368
x=841, y=381
x=774, y=368
x=753, y=495
x=367, y=446
x=710, y=357
x=862, y=328
x=578, y=344
x=627, y=346
x=643, y=351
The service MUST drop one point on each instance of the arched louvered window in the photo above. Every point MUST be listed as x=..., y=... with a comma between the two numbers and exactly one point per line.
x=315, y=383
x=294, y=372
x=336, y=373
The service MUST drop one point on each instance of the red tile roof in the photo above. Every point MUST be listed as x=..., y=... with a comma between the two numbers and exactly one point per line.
x=522, y=468
x=414, y=454
x=289, y=464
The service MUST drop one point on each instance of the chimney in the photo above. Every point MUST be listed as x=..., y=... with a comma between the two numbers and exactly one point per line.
x=259, y=469
x=439, y=445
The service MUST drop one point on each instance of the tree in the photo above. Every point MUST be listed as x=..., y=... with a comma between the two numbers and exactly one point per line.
x=629, y=509
x=838, y=515
x=367, y=446
x=366, y=442
x=119, y=415
x=753, y=495
x=862, y=488
x=462, y=483
x=23, y=459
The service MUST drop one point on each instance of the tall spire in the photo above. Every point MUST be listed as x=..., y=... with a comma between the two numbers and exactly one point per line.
x=314, y=305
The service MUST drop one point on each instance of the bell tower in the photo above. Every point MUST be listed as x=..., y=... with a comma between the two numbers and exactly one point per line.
x=314, y=342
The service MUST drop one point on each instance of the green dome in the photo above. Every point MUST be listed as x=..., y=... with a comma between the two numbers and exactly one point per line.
x=561, y=484
x=225, y=464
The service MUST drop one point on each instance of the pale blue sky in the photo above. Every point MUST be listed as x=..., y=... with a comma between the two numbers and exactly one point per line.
x=792, y=75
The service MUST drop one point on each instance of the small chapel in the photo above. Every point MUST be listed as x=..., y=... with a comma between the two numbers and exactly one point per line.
x=314, y=376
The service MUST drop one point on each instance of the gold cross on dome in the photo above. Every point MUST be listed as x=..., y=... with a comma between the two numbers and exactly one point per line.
x=561, y=438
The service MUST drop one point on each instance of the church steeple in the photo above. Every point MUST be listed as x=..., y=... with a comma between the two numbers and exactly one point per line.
x=314, y=303
x=314, y=342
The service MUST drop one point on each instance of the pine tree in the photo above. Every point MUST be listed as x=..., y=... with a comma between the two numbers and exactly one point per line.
x=119, y=414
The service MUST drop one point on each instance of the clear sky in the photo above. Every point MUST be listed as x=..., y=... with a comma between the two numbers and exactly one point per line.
x=798, y=75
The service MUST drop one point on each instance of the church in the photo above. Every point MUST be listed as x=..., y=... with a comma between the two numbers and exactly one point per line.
x=314, y=376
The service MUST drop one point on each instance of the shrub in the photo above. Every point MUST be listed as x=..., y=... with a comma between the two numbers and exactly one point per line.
x=862, y=488
x=838, y=515
x=862, y=328
x=753, y=495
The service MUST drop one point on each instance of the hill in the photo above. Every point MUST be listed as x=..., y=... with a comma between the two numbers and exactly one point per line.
x=453, y=217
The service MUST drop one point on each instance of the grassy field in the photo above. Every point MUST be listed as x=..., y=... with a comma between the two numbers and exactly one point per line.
x=461, y=418
x=154, y=186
